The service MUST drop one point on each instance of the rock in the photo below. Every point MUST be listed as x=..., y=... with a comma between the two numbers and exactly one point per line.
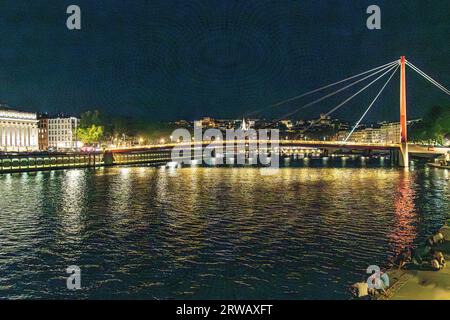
x=445, y=232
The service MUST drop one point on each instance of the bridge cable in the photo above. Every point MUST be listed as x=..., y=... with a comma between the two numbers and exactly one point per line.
x=322, y=88
x=442, y=88
x=427, y=77
x=357, y=93
x=372, y=103
x=330, y=85
x=348, y=99
x=388, y=68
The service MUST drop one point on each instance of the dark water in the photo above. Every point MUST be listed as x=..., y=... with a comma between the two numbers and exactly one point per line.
x=211, y=233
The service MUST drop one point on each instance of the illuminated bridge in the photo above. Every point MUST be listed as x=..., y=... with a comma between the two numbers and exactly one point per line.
x=400, y=150
x=159, y=154
x=289, y=146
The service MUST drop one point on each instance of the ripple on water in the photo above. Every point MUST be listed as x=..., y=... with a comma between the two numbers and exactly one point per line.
x=210, y=232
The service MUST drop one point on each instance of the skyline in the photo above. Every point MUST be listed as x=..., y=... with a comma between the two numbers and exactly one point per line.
x=172, y=60
x=192, y=121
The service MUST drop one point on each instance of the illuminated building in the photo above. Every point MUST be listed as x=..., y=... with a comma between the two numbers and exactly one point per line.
x=62, y=133
x=385, y=133
x=43, y=133
x=390, y=132
x=287, y=123
x=206, y=122
x=18, y=130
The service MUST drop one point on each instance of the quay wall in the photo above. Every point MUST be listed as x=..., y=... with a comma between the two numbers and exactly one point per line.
x=27, y=162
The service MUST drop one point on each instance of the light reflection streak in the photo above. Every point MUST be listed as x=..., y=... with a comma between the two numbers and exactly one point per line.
x=404, y=233
x=72, y=203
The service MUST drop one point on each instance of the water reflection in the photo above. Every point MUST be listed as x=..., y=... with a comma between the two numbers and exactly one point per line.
x=232, y=233
x=404, y=232
x=71, y=206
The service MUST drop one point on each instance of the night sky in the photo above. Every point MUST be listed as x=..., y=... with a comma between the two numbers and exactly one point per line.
x=163, y=59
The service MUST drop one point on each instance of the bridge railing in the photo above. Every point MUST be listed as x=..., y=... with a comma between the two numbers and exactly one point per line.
x=268, y=142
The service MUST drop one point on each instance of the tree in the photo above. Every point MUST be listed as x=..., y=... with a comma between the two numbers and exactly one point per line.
x=91, y=135
x=91, y=129
x=434, y=127
x=90, y=118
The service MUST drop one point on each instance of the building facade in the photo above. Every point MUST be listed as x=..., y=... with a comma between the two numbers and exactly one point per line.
x=62, y=133
x=43, y=133
x=390, y=132
x=18, y=130
x=368, y=135
x=206, y=123
x=386, y=133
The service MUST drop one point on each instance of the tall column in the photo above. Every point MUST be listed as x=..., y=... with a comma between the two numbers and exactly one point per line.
x=9, y=136
x=28, y=136
x=17, y=136
x=22, y=130
x=24, y=137
x=19, y=129
x=404, y=156
x=14, y=137
x=17, y=140
x=5, y=135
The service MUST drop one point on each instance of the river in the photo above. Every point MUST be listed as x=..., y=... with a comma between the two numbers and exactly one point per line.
x=307, y=232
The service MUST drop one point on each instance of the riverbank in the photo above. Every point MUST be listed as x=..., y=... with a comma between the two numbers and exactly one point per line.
x=32, y=162
x=421, y=284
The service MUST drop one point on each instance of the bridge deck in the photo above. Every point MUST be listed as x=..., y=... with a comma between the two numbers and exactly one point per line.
x=413, y=148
